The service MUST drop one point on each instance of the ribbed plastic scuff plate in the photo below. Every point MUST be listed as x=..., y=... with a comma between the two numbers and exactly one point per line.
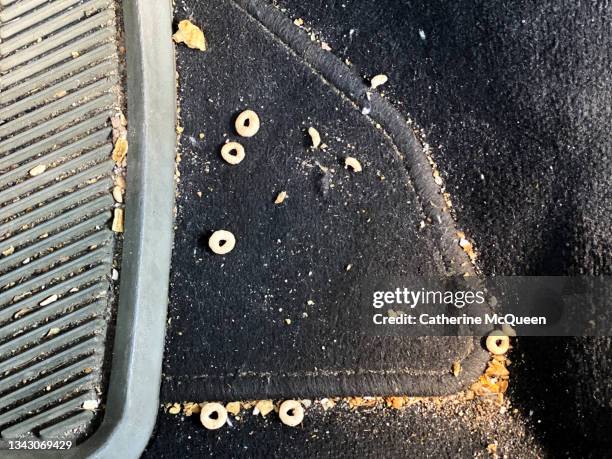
x=58, y=90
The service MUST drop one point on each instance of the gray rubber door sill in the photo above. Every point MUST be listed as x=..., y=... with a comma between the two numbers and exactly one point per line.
x=80, y=356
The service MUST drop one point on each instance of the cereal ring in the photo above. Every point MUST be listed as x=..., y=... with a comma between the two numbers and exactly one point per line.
x=232, y=152
x=247, y=123
x=213, y=416
x=291, y=413
x=221, y=242
x=497, y=343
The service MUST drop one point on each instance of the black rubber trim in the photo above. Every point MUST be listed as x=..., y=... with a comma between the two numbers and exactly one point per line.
x=133, y=394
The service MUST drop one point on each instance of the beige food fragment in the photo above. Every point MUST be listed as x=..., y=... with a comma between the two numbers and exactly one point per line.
x=75, y=54
x=53, y=331
x=117, y=226
x=298, y=22
x=456, y=368
x=37, y=170
x=175, y=408
x=48, y=300
x=368, y=402
x=8, y=251
x=437, y=178
x=378, y=80
x=353, y=163
x=327, y=404
x=280, y=197
x=21, y=312
x=120, y=181
x=117, y=194
x=90, y=405
x=315, y=137
x=120, y=150
x=395, y=402
x=233, y=408
x=263, y=407
x=190, y=408
x=325, y=46
x=191, y=35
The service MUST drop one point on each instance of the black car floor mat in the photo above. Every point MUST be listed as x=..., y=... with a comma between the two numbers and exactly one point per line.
x=274, y=316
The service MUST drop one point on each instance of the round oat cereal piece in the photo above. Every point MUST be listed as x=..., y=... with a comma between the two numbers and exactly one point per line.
x=213, y=416
x=221, y=242
x=232, y=152
x=497, y=342
x=291, y=413
x=247, y=123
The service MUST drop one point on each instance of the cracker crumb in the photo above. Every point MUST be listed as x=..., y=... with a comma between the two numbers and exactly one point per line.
x=456, y=369
x=120, y=150
x=51, y=299
x=315, y=137
x=175, y=408
x=263, y=407
x=190, y=408
x=233, y=408
x=90, y=405
x=327, y=404
x=378, y=80
x=37, y=170
x=353, y=163
x=280, y=197
x=191, y=35
x=117, y=226
x=8, y=251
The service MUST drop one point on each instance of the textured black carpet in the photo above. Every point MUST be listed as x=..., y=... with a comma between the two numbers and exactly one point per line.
x=278, y=315
x=514, y=98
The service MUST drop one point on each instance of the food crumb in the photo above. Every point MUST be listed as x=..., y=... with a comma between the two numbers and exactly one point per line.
x=190, y=408
x=47, y=301
x=37, y=170
x=175, y=408
x=378, y=80
x=191, y=35
x=90, y=405
x=53, y=331
x=353, y=163
x=120, y=150
x=233, y=408
x=263, y=407
x=117, y=225
x=456, y=369
x=315, y=137
x=280, y=197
